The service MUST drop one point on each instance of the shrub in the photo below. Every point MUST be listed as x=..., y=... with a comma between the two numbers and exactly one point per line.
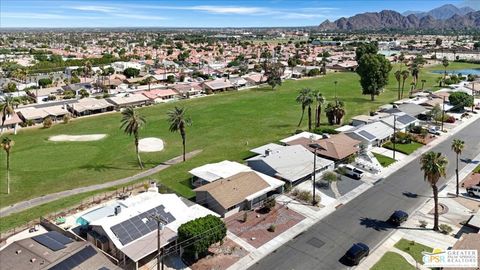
x=423, y=223
x=66, y=118
x=269, y=204
x=327, y=130
x=314, y=72
x=445, y=229
x=460, y=100
x=199, y=234
x=44, y=82
x=47, y=122
x=245, y=217
x=416, y=129
x=272, y=228
x=402, y=138
x=450, y=119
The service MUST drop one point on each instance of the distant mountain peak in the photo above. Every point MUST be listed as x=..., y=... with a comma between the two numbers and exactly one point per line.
x=441, y=13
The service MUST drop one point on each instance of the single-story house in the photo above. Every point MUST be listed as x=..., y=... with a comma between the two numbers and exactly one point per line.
x=372, y=134
x=187, y=90
x=209, y=173
x=54, y=251
x=135, y=100
x=238, y=82
x=124, y=229
x=87, y=106
x=402, y=123
x=11, y=122
x=411, y=109
x=242, y=191
x=160, y=95
x=362, y=119
x=36, y=115
x=255, y=79
x=56, y=112
x=42, y=94
x=334, y=147
x=218, y=85
x=293, y=163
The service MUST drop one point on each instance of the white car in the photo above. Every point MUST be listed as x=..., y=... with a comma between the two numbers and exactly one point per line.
x=353, y=172
x=473, y=191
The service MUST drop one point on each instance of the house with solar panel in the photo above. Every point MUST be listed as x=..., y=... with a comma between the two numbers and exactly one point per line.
x=372, y=134
x=54, y=251
x=125, y=228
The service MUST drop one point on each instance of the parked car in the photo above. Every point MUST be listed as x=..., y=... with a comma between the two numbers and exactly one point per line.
x=434, y=131
x=356, y=253
x=473, y=191
x=398, y=217
x=353, y=172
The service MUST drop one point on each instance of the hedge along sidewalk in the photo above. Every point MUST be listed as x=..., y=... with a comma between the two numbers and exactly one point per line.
x=59, y=195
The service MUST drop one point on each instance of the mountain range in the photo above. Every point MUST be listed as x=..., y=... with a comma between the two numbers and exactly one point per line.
x=444, y=17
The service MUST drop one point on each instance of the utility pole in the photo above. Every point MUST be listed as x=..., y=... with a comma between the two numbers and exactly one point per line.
x=160, y=224
x=394, y=134
x=315, y=146
x=443, y=111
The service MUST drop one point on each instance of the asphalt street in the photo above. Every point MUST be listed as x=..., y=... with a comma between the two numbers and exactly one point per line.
x=362, y=219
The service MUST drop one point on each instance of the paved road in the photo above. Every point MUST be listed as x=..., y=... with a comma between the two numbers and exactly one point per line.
x=59, y=195
x=361, y=220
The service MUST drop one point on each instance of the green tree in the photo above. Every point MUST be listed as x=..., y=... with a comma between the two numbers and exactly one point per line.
x=7, y=108
x=335, y=112
x=457, y=147
x=7, y=145
x=305, y=99
x=366, y=48
x=434, y=166
x=373, y=70
x=445, y=64
x=320, y=101
x=274, y=72
x=197, y=235
x=405, y=75
x=131, y=72
x=330, y=177
x=460, y=100
x=44, y=82
x=398, y=77
x=11, y=87
x=178, y=122
x=131, y=124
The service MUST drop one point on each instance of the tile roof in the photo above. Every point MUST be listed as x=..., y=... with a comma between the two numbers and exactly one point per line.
x=338, y=146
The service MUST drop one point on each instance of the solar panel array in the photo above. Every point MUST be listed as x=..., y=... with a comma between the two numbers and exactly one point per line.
x=366, y=135
x=53, y=240
x=76, y=259
x=140, y=225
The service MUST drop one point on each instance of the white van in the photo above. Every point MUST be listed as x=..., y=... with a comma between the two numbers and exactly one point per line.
x=473, y=191
x=353, y=172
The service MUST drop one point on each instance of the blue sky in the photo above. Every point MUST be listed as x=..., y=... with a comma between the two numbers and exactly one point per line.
x=157, y=13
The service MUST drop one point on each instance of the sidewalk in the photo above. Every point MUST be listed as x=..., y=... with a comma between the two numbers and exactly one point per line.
x=313, y=217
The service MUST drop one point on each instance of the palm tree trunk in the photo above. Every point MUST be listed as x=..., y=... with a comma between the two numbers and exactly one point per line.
x=8, y=173
x=301, y=118
x=138, y=154
x=456, y=173
x=398, y=90
x=319, y=114
x=184, y=138
x=435, y=214
x=403, y=87
x=309, y=118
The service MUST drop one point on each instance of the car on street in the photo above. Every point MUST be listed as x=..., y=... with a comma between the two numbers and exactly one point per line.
x=356, y=253
x=434, y=131
x=398, y=217
x=473, y=191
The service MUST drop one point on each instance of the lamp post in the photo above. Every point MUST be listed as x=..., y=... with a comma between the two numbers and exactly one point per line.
x=315, y=147
x=443, y=111
x=394, y=133
x=160, y=224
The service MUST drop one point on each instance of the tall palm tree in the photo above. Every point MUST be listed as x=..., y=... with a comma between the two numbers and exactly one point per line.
x=7, y=108
x=7, y=145
x=178, y=122
x=434, y=166
x=132, y=122
x=405, y=75
x=304, y=98
x=149, y=80
x=398, y=77
x=415, y=71
x=445, y=65
x=318, y=110
x=457, y=147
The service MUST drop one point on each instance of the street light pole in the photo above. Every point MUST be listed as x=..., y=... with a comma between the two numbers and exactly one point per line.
x=315, y=147
x=160, y=224
x=443, y=111
x=394, y=134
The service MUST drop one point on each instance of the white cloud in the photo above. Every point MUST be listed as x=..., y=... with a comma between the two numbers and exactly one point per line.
x=42, y=16
x=140, y=16
x=228, y=9
x=105, y=9
x=297, y=15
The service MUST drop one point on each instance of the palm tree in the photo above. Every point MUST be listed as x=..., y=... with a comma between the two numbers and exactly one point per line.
x=457, y=147
x=178, y=121
x=7, y=145
x=149, y=80
x=445, y=65
x=415, y=71
x=423, y=83
x=405, y=75
x=305, y=99
x=318, y=110
x=434, y=166
x=132, y=122
x=6, y=108
x=398, y=77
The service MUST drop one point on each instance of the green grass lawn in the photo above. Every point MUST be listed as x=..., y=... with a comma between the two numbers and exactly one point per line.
x=477, y=169
x=413, y=248
x=407, y=149
x=225, y=126
x=392, y=261
x=383, y=160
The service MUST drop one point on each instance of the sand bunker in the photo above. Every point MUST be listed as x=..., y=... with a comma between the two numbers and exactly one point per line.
x=150, y=145
x=77, y=138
